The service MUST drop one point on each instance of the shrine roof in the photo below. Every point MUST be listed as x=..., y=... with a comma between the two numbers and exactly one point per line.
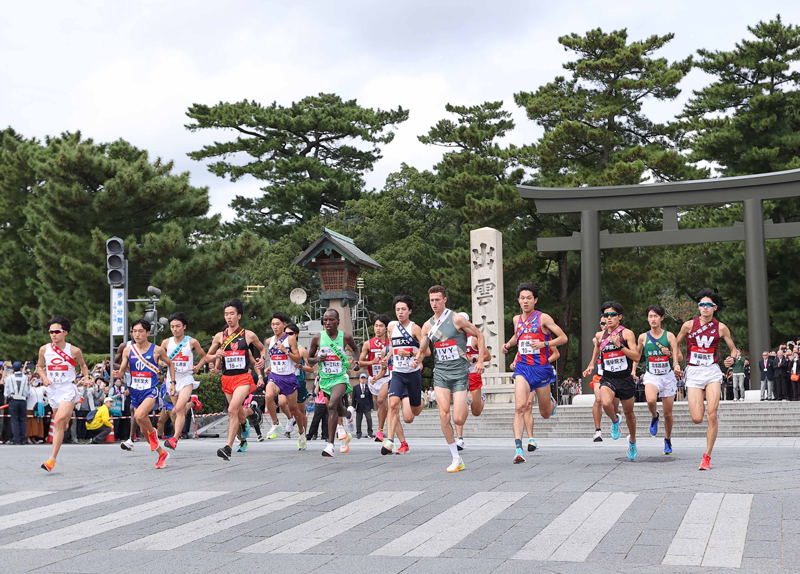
x=342, y=244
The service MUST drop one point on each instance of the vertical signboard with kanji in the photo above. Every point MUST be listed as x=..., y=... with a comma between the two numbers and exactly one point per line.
x=486, y=263
x=118, y=312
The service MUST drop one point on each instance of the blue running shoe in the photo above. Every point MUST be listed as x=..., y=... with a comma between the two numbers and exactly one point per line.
x=667, y=446
x=654, y=425
x=631, y=449
x=518, y=458
x=615, y=429
x=244, y=429
x=555, y=405
x=242, y=446
x=532, y=446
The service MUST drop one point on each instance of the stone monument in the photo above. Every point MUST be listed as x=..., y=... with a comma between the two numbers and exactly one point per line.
x=486, y=256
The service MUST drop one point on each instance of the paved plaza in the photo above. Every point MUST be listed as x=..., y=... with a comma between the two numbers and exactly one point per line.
x=575, y=506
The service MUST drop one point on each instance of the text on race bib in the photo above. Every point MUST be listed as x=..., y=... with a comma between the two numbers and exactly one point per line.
x=181, y=363
x=446, y=350
x=701, y=357
x=402, y=362
x=614, y=361
x=332, y=365
x=525, y=343
x=658, y=365
x=141, y=380
x=235, y=360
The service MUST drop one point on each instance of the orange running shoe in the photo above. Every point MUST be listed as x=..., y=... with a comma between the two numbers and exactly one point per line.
x=162, y=459
x=403, y=448
x=706, y=464
x=153, y=439
x=171, y=443
x=48, y=466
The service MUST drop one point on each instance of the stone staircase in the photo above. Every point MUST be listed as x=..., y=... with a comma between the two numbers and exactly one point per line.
x=736, y=419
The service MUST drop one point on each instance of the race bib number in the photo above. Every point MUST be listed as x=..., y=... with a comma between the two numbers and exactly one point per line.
x=375, y=369
x=235, y=360
x=57, y=373
x=402, y=362
x=701, y=358
x=614, y=361
x=280, y=363
x=658, y=365
x=181, y=363
x=332, y=365
x=141, y=381
x=446, y=350
x=525, y=344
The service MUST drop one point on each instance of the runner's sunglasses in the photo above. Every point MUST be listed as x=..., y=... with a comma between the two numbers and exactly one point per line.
x=57, y=331
x=610, y=314
x=706, y=304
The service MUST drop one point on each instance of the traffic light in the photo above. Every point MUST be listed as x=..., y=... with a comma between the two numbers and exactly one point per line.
x=115, y=261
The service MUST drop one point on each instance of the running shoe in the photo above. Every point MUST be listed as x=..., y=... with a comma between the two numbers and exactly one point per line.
x=555, y=405
x=598, y=436
x=289, y=426
x=126, y=445
x=224, y=453
x=460, y=444
x=351, y=422
x=518, y=457
x=532, y=446
x=667, y=446
x=242, y=446
x=287, y=434
x=152, y=438
x=273, y=431
x=162, y=459
x=340, y=432
x=257, y=416
x=171, y=443
x=387, y=447
x=328, y=450
x=344, y=444
x=302, y=442
x=615, y=428
x=706, y=464
x=261, y=438
x=483, y=398
x=654, y=425
x=631, y=449
x=244, y=429
x=49, y=464
x=456, y=466
x=379, y=436
x=403, y=448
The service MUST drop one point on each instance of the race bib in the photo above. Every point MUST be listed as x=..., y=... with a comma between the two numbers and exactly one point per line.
x=235, y=360
x=181, y=363
x=446, y=350
x=402, y=362
x=332, y=364
x=525, y=344
x=376, y=354
x=701, y=357
x=614, y=361
x=280, y=363
x=141, y=380
x=57, y=373
x=658, y=365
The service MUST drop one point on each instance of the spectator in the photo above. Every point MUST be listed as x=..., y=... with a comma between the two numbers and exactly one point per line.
x=738, y=376
x=100, y=426
x=362, y=399
x=767, y=372
x=573, y=390
x=781, y=368
x=747, y=374
x=565, y=393
x=17, y=391
x=320, y=415
x=86, y=391
x=35, y=427
x=7, y=370
x=794, y=374
x=432, y=398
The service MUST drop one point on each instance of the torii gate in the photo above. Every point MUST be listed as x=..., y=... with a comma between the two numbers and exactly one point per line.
x=750, y=190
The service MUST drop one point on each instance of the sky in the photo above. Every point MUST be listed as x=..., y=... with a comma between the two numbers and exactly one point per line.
x=131, y=70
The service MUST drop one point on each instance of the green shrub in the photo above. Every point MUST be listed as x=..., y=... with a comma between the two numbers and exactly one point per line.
x=210, y=393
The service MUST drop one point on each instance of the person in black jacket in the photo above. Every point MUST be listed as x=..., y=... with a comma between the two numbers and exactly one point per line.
x=362, y=399
x=767, y=372
x=781, y=368
x=794, y=373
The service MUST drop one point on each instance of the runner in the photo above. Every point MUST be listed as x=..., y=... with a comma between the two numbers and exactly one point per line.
x=532, y=446
x=618, y=352
x=121, y=350
x=533, y=331
x=328, y=348
x=143, y=359
x=703, y=375
x=597, y=407
x=475, y=384
x=231, y=347
x=300, y=371
x=448, y=331
x=658, y=348
x=405, y=386
x=181, y=349
x=372, y=353
x=282, y=380
x=56, y=367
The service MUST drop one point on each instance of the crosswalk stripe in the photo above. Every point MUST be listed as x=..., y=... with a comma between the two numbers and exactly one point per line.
x=21, y=496
x=712, y=532
x=574, y=533
x=28, y=516
x=448, y=528
x=196, y=529
x=318, y=530
x=103, y=524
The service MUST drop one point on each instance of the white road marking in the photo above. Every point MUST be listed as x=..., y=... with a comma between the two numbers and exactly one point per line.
x=13, y=497
x=28, y=516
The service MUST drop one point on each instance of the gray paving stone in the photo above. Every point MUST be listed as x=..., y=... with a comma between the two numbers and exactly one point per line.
x=645, y=554
x=762, y=549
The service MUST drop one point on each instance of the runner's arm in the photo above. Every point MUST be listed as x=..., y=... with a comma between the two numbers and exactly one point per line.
x=313, y=359
x=252, y=339
x=554, y=355
x=197, y=348
x=673, y=344
x=512, y=342
x=77, y=354
x=725, y=333
x=304, y=355
x=416, y=331
x=40, y=367
x=294, y=352
x=687, y=326
x=552, y=326
x=362, y=359
x=595, y=354
x=123, y=364
x=630, y=351
x=161, y=354
x=461, y=323
x=349, y=341
x=424, y=342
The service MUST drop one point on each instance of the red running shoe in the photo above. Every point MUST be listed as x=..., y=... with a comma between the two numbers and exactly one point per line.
x=152, y=438
x=403, y=448
x=49, y=464
x=162, y=459
x=706, y=464
x=171, y=443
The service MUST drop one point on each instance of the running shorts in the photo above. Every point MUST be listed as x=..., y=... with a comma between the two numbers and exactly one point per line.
x=64, y=392
x=184, y=380
x=475, y=381
x=623, y=388
x=302, y=391
x=595, y=381
x=535, y=375
x=287, y=384
x=700, y=377
x=667, y=385
x=407, y=385
x=138, y=397
x=231, y=382
x=375, y=388
x=455, y=384
x=326, y=385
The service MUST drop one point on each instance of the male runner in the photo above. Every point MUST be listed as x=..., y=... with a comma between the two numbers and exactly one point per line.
x=659, y=350
x=703, y=375
x=282, y=380
x=181, y=348
x=231, y=346
x=127, y=444
x=597, y=407
x=301, y=369
x=533, y=331
x=56, y=367
x=328, y=348
x=554, y=356
x=618, y=352
x=475, y=383
x=406, y=383
x=372, y=353
x=449, y=331
x=143, y=359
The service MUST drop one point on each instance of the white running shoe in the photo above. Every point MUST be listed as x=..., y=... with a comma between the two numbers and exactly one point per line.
x=456, y=466
x=340, y=432
x=598, y=436
x=344, y=445
x=272, y=433
x=460, y=444
x=328, y=450
x=301, y=442
x=290, y=426
x=351, y=422
x=126, y=445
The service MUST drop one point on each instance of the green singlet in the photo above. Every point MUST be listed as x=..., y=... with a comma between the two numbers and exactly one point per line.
x=333, y=371
x=657, y=362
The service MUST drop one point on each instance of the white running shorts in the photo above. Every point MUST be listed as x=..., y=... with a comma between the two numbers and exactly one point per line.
x=57, y=394
x=701, y=377
x=185, y=380
x=375, y=389
x=667, y=385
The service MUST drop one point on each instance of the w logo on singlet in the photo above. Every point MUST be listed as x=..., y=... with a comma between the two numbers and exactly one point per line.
x=704, y=341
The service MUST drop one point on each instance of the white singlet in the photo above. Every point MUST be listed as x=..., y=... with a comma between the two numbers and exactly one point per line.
x=401, y=343
x=184, y=363
x=472, y=351
x=279, y=362
x=62, y=377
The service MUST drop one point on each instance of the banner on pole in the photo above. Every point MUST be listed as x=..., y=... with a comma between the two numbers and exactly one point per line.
x=118, y=312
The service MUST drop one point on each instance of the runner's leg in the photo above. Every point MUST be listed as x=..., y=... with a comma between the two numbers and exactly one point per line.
x=335, y=410
x=383, y=405
x=529, y=415
x=293, y=408
x=61, y=420
x=181, y=402
x=270, y=393
x=477, y=403
x=143, y=419
x=393, y=417
x=651, y=394
x=597, y=407
x=236, y=414
x=443, y=396
x=666, y=403
x=546, y=405
x=609, y=404
x=134, y=424
x=630, y=417
x=713, y=391
x=409, y=412
x=522, y=390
